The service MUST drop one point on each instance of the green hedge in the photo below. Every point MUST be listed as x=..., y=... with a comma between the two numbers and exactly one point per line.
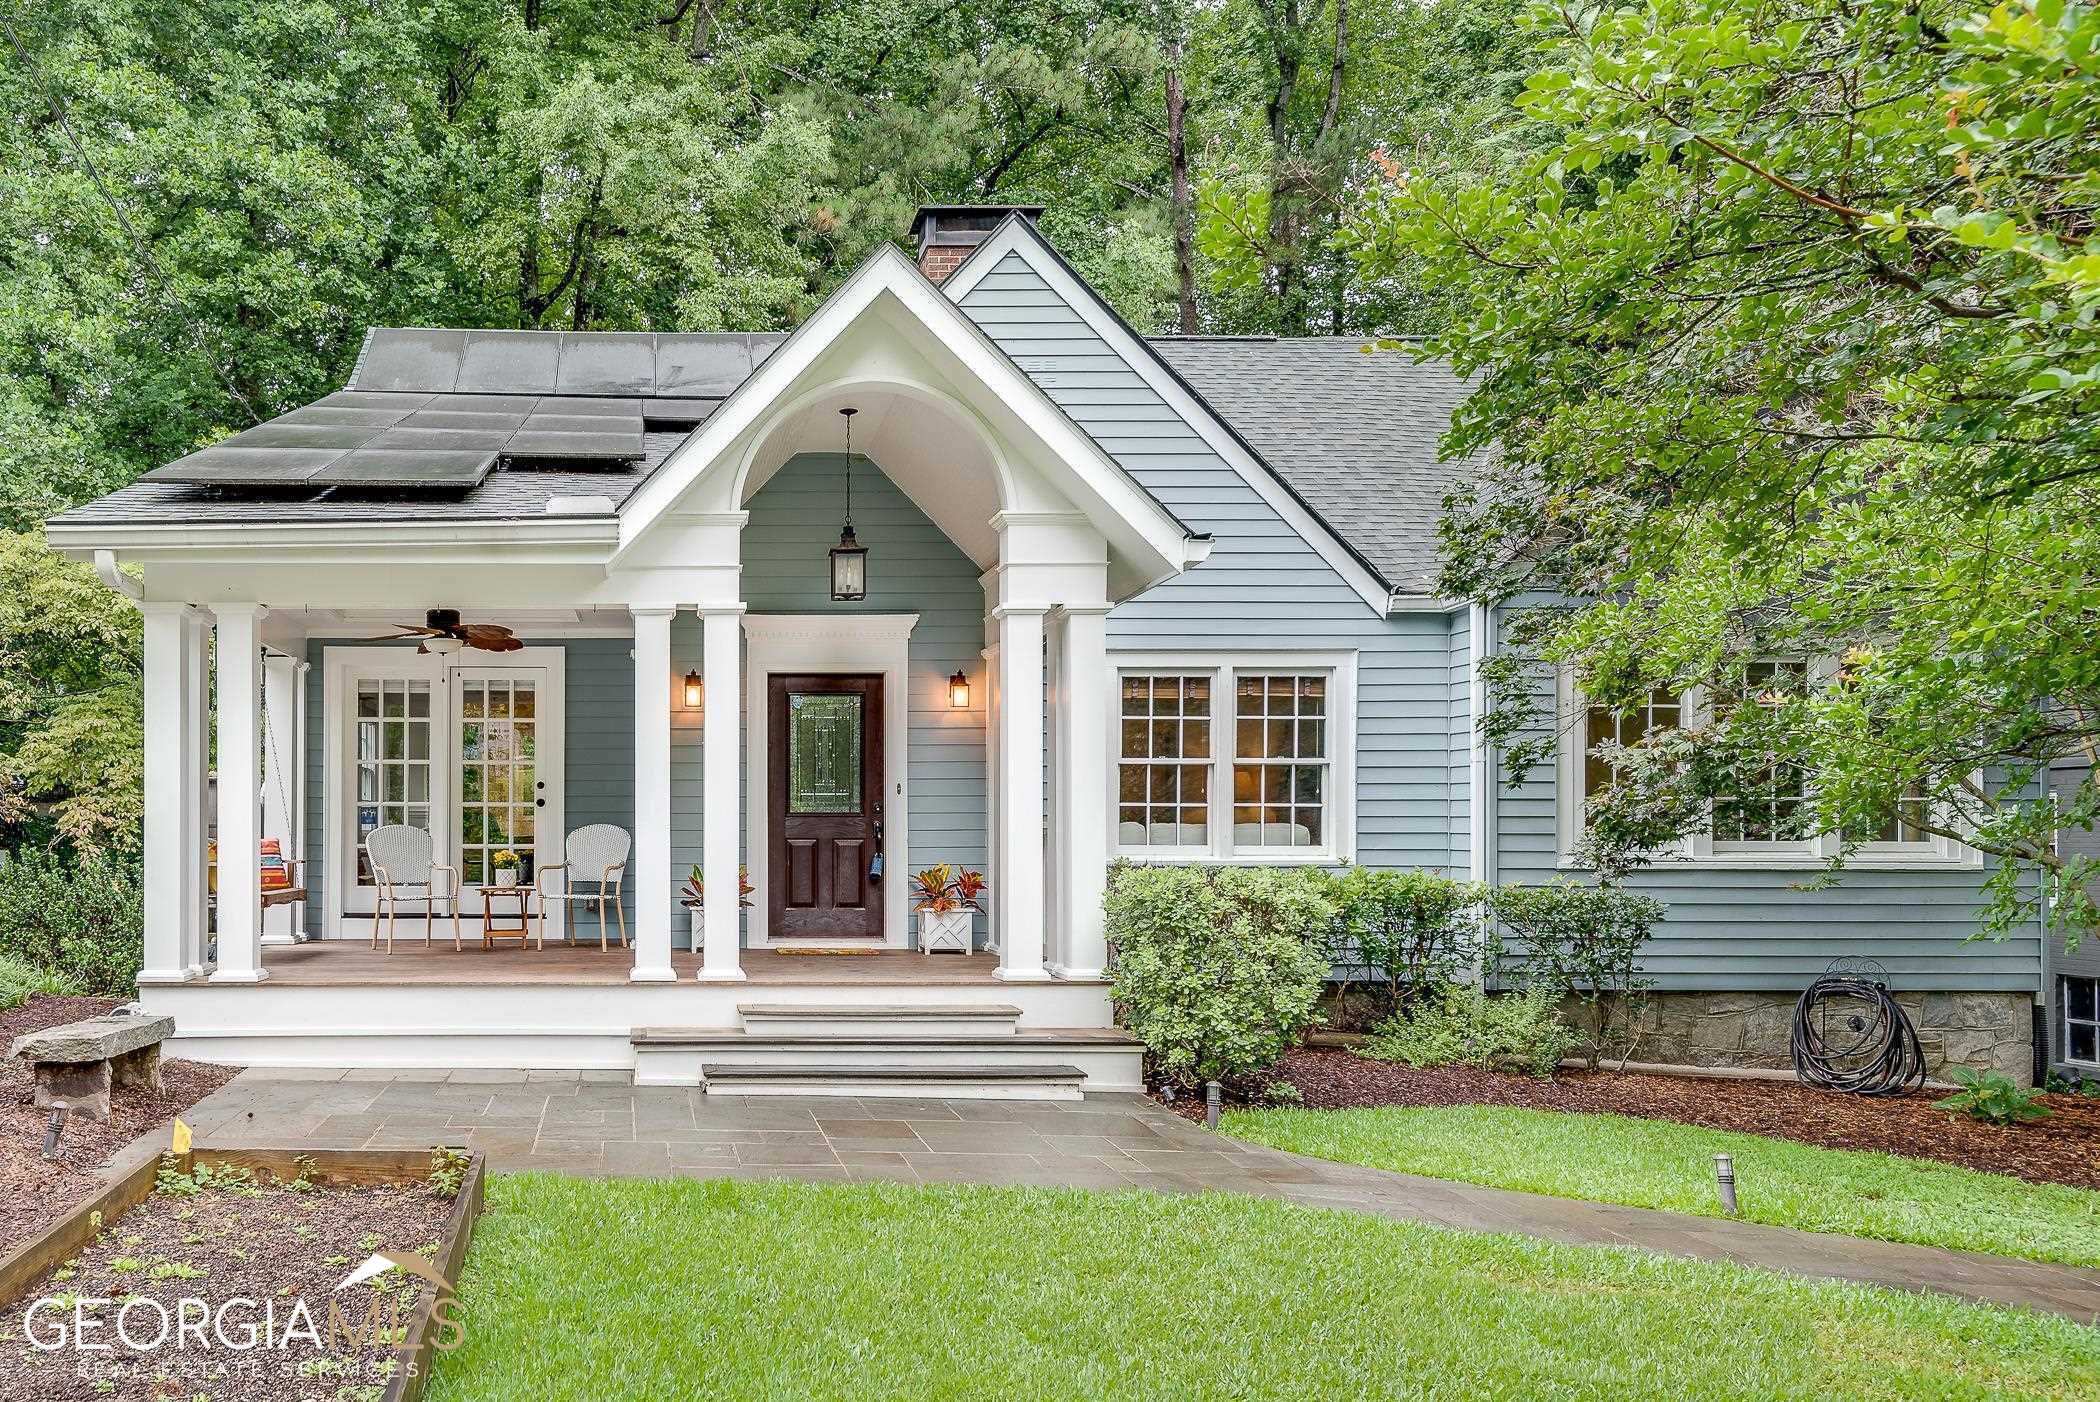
x=79, y=921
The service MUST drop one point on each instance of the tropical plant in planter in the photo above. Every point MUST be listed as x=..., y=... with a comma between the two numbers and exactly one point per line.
x=504, y=865
x=694, y=897
x=947, y=900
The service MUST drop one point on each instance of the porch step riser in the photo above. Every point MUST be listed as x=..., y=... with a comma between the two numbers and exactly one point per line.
x=885, y=1090
x=1042, y=1081
x=918, y=1022
x=1106, y=1069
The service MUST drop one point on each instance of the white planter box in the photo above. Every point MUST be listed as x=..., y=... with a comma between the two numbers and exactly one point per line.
x=948, y=930
x=694, y=928
x=506, y=876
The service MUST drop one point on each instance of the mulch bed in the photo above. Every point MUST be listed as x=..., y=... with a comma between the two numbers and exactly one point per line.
x=274, y=1246
x=35, y=1191
x=2065, y=1148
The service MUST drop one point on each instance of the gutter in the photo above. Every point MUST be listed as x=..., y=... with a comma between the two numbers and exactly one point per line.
x=112, y=574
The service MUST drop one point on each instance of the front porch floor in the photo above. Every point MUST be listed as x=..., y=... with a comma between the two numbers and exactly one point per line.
x=355, y=963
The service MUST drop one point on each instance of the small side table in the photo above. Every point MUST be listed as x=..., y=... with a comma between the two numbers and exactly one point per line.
x=492, y=897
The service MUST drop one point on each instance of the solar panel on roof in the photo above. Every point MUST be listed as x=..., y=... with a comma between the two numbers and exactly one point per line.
x=530, y=443
x=412, y=358
x=587, y=404
x=422, y=440
x=280, y=433
x=606, y=364
x=381, y=468
x=225, y=465
x=703, y=365
x=515, y=361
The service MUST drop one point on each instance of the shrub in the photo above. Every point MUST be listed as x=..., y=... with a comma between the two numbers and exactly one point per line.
x=1992, y=1096
x=1464, y=1025
x=1412, y=930
x=79, y=920
x=1587, y=941
x=1217, y=969
x=19, y=982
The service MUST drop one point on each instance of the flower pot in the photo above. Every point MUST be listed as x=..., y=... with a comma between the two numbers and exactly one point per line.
x=945, y=930
x=506, y=876
x=698, y=940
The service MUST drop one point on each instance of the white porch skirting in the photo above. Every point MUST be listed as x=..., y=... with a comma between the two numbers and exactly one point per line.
x=531, y=1026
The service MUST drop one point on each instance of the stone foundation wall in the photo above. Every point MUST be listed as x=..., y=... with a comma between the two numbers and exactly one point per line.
x=1987, y=1031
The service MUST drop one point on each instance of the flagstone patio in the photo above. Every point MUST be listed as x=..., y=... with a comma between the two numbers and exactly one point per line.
x=597, y=1123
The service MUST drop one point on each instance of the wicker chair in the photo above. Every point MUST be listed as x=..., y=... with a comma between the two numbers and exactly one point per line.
x=594, y=862
x=403, y=861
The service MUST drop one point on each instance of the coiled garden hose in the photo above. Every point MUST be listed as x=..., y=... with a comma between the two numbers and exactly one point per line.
x=1851, y=1035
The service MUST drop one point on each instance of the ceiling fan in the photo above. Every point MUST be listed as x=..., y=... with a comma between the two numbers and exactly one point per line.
x=442, y=632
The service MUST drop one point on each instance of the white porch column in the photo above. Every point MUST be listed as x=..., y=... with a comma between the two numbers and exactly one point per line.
x=195, y=802
x=1084, y=697
x=280, y=778
x=652, y=794
x=1020, y=750
x=721, y=762
x=240, y=752
x=170, y=801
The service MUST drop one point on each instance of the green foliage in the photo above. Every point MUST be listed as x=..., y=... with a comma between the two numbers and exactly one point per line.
x=1752, y=386
x=1583, y=941
x=1217, y=969
x=448, y=1171
x=1464, y=1025
x=19, y=982
x=1414, y=930
x=1991, y=1096
x=77, y=921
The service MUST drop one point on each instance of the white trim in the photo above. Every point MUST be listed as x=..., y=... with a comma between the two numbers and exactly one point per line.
x=1017, y=237
x=338, y=664
x=889, y=271
x=1698, y=849
x=829, y=644
x=1480, y=759
x=587, y=539
x=1341, y=758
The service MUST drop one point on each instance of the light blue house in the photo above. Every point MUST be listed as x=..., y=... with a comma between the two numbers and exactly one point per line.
x=1159, y=598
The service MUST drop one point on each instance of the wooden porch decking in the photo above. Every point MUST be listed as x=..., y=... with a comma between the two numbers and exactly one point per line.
x=346, y=963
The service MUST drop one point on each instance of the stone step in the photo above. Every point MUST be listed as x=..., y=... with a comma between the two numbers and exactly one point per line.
x=879, y=1019
x=1109, y=1058
x=881, y=1081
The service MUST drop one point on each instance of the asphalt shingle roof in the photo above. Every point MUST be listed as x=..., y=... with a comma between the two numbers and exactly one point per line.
x=1353, y=432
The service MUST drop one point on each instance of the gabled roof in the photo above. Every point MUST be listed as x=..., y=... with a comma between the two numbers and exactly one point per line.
x=1354, y=431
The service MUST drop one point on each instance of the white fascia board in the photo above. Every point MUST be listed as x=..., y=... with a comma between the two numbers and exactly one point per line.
x=1016, y=236
x=890, y=271
x=564, y=540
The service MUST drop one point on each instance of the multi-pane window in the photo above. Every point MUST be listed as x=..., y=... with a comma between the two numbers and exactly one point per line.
x=1903, y=824
x=1230, y=760
x=1163, y=779
x=498, y=749
x=1279, y=771
x=2080, y=1000
x=1601, y=726
x=1772, y=800
x=393, y=759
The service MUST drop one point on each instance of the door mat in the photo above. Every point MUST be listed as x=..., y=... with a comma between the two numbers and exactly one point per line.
x=847, y=953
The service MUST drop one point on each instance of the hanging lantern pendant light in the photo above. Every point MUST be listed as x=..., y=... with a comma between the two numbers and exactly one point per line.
x=849, y=558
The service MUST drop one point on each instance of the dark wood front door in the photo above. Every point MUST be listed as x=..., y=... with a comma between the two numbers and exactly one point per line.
x=824, y=763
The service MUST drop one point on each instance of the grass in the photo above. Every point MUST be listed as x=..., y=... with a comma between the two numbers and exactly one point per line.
x=1656, y=1163
x=631, y=1289
x=19, y=982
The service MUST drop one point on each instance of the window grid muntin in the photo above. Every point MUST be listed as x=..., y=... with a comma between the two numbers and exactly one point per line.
x=2078, y=997
x=1165, y=723
x=498, y=775
x=1773, y=810
x=1281, y=725
x=1661, y=710
x=390, y=735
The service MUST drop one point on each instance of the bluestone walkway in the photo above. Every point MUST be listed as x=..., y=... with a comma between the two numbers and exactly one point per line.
x=598, y=1123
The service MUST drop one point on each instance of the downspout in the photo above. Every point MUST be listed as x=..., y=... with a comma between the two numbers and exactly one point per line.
x=1480, y=772
x=112, y=574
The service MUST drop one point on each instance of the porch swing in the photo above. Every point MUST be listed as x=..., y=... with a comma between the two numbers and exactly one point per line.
x=293, y=891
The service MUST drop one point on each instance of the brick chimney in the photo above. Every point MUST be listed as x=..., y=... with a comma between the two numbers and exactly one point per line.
x=948, y=233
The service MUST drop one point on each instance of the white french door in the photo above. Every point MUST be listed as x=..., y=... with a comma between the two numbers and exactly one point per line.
x=467, y=748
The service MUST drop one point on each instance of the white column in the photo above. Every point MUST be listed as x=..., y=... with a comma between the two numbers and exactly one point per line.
x=280, y=785
x=1084, y=697
x=240, y=753
x=1020, y=749
x=652, y=794
x=196, y=802
x=721, y=763
x=168, y=797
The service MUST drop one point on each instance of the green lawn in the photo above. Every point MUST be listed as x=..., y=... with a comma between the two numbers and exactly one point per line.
x=1654, y=1163
x=648, y=1289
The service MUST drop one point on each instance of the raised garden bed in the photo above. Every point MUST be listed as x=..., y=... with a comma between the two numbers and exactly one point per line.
x=243, y=1243
x=35, y=1191
x=2065, y=1148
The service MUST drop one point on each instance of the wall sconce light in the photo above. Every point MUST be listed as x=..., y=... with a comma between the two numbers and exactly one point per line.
x=958, y=692
x=692, y=691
